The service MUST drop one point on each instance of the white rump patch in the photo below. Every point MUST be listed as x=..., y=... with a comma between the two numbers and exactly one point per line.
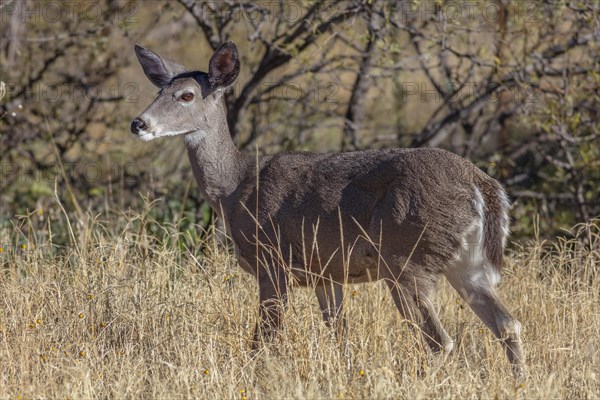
x=471, y=267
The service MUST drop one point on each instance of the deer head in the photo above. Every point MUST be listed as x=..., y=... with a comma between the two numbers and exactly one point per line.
x=187, y=99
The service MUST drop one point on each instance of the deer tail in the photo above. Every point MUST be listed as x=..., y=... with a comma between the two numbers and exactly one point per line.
x=496, y=222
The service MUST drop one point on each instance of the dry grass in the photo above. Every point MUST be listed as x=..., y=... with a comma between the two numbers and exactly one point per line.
x=122, y=315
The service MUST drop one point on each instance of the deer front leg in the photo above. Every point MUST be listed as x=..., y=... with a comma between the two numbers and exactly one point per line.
x=273, y=298
x=330, y=296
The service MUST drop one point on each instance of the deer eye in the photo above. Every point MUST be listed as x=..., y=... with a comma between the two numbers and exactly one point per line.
x=187, y=97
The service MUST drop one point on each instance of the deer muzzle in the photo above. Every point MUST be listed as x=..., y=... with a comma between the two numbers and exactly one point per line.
x=138, y=125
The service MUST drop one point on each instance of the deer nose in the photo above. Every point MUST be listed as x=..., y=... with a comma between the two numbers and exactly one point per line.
x=138, y=125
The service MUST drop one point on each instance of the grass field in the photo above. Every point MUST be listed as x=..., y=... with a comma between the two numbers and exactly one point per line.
x=122, y=314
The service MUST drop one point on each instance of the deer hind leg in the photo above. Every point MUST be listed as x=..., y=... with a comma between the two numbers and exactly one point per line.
x=475, y=283
x=414, y=303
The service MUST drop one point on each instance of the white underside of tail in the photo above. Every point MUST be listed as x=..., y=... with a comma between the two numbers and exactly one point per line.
x=471, y=267
x=505, y=219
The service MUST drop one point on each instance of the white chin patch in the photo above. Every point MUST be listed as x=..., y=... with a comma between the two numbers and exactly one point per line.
x=146, y=137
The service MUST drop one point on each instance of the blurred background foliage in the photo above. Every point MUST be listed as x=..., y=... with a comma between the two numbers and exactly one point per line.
x=513, y=86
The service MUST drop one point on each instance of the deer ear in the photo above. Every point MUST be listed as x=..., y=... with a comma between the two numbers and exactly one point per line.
x=159, y=70
x=224, y=66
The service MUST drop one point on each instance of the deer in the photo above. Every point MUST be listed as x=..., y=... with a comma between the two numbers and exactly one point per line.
x=323, y=220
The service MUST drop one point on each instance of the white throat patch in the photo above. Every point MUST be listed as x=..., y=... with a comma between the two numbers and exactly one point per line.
x=195, y=137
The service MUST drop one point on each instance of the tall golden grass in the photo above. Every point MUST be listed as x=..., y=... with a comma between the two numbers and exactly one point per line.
x=119, y=313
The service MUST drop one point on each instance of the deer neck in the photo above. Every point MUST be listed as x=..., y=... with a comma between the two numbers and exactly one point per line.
x=218, y=166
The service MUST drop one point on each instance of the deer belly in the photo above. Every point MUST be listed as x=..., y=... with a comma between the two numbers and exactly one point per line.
x=364, y=269
x=358, y=270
